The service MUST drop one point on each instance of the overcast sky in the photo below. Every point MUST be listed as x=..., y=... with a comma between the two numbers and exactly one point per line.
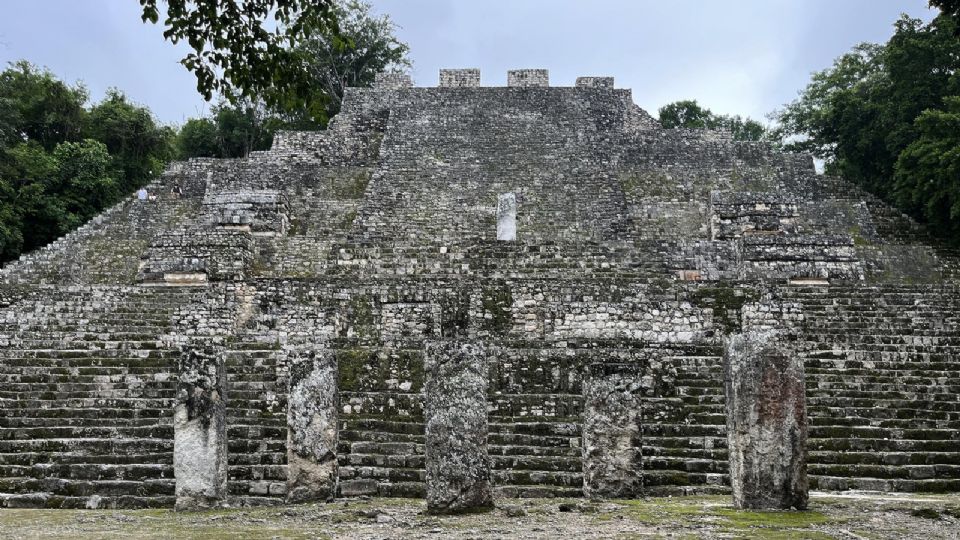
x=736, y=56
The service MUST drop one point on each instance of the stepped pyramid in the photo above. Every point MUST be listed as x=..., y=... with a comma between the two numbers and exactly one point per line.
x=561, y=228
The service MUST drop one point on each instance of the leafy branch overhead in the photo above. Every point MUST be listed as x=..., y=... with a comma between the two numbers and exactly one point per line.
x=246, y=49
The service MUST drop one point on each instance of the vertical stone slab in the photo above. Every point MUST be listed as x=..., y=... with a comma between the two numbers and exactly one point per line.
x=312, y=403
x=766, y=423
x=507, y=217
x=455, y=407
x=612, y=432
x=200, y=429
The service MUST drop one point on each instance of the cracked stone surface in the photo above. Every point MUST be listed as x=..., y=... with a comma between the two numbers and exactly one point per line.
x=312, y=405
x=200, y=434
x=612, y=436
x=766, y=422
x=455, y=395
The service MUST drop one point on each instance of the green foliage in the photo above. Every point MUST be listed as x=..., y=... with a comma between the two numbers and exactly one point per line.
x=198, y=138
x=139, y=146
x=927, y=178
x=244, y=49
x=62, y=163
x=35, y=105
x=689, y=114
x=864, y=112
x=950, y=8
x=232, y=131
x=366, y=46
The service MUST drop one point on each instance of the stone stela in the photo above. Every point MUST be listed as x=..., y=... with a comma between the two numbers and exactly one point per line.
x=466, y=294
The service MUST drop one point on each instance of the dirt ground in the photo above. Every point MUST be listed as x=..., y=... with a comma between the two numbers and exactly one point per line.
x=832, y=515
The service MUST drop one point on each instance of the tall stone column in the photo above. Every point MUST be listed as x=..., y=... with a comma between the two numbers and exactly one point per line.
x=612, y=436
x=455, y=405
x=766, y=423
x=312, y=403
x=200, y=428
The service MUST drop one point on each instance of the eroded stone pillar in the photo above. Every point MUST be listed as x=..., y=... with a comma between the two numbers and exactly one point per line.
x=766, y=422
x=507, y=217
x=455, y=407
x=612, y=433
x=200, y=429
x=312, y=403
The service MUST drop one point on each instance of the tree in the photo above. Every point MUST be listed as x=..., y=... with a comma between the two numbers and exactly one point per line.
x=37, y=106
x=198, y=138
x=367, y=45
x=61, y=163
x=685, y=114
x=861, y=114
x=85, y=182
x=689, y=114
x=950, y=8
x=139, y=145
x=245, y=49
x=232, y=131
x=927, y=179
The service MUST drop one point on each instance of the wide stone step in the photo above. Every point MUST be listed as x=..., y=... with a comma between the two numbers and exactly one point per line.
x=536, y=463
x=537, y=491
x=536, y=478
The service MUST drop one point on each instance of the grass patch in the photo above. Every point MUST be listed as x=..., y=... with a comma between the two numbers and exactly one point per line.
x=716, y=512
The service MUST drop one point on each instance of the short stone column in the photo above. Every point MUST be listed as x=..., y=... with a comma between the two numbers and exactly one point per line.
x=455, y=407
x=200, y=429
x=766, y=422
x=612, y=432
x=312, y=403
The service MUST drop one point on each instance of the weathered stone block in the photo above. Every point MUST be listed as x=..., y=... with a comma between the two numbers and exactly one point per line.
x=200, y=429
x=766, y=423
x=594, y=82
x=528, y=77
x=507, y=217
x=459, y=78
x=392, y=81
x=312, y=404
x=612, y=436
x=455, y=395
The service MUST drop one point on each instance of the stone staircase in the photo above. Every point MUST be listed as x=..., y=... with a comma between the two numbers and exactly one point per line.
x=685, y=439
x=256, y=422
x=86, y=400
x=883, y=390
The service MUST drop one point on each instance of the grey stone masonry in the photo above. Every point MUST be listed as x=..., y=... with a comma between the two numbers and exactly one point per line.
x=200, y=428
x=455, y=410
x=459, y=78
x=392, y=81
x=594, y=82
x=766, y=422
x=528, y=77
x=312, y=403
x=612, y=432
x=634, y=253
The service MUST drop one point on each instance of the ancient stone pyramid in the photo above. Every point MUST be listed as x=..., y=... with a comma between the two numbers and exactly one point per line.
x=558, y=235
